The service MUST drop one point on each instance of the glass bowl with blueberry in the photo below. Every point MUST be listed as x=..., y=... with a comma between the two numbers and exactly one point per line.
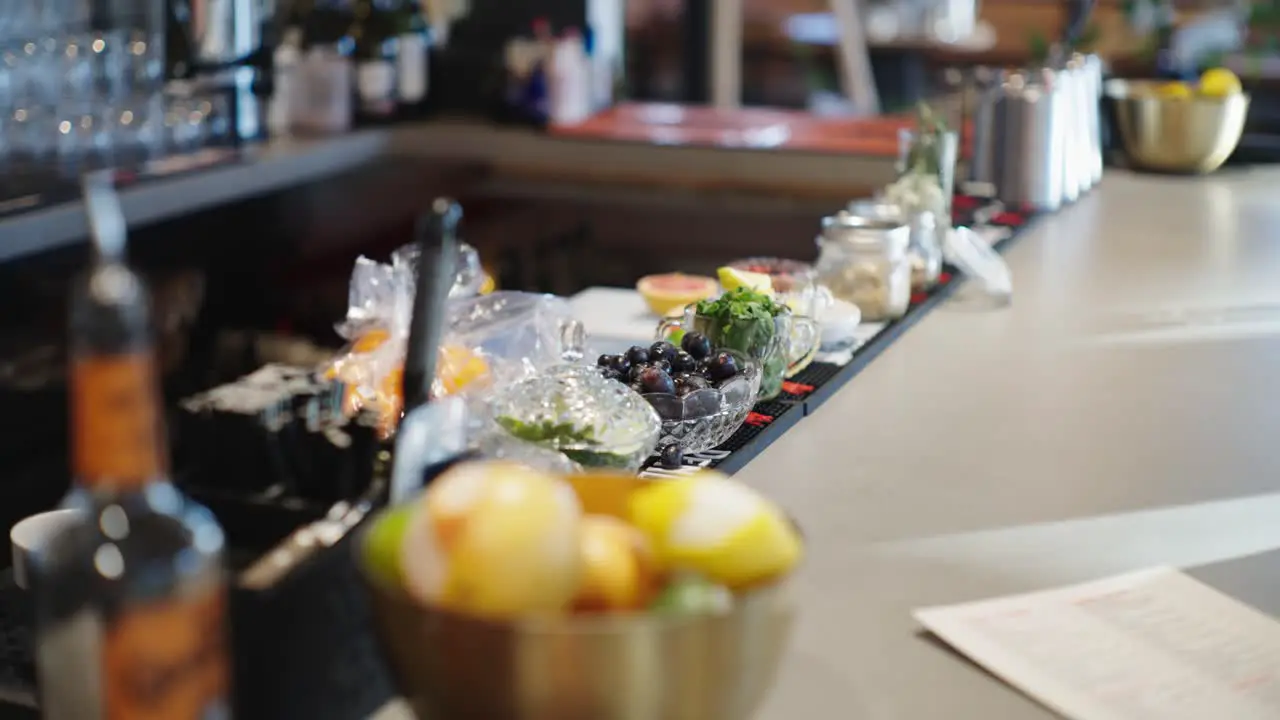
x=702, y=394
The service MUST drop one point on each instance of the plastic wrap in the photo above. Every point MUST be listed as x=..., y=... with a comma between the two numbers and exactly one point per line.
x=489, y=340
x=978, y=261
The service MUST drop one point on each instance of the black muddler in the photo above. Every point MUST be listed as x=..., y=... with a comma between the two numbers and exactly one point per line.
x=437, y=236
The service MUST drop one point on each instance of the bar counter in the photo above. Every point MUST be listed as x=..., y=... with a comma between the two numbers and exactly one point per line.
x=516, y=162
x=1117, y=416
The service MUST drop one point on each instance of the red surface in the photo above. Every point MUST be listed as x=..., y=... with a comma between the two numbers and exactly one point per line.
x=762, y=128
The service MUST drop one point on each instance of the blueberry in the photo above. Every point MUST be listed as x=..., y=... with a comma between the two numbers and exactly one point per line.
x=605, y=360
x=611, y=374
x=619, y=363
x=672, y=456
x=683, y=362
x=722, y=367
x=686, y=384
x=662, y=350
x=663, y=365
x=637, y=355
x=634, y=374
x=654, y=380
x=696, y=344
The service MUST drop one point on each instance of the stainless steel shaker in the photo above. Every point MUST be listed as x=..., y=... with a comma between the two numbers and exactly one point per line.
x=1093, y=101
x=985, y=158
x=1071, y=126
x=1084, y=73
x=1030, y=114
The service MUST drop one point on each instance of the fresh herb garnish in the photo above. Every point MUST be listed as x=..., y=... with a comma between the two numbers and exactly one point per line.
x=549, y=432
x=742, y=319
x=557, y=435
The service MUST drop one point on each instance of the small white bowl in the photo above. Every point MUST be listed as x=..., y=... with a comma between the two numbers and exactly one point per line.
x=839, y=322
x=30, y=535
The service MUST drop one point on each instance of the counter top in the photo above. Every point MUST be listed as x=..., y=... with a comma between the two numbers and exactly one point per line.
x=1118, y=415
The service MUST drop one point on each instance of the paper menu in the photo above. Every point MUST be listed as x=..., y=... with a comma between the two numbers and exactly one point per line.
x=1151, y=645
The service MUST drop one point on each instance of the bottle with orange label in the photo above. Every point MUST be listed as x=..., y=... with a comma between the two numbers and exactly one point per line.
x=131, y=601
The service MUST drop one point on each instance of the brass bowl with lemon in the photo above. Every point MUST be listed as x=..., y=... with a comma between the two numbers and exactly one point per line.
x=1178, y=127
x=545, y=597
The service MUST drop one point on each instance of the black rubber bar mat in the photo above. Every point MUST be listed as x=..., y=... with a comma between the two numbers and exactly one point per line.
x=814, y=385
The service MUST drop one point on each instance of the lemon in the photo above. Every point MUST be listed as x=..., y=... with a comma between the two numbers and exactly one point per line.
x=717, y=527
x=494, y=539
x=618, y=570
x=1174, y=91
x=1220, y=83
x=732, y=279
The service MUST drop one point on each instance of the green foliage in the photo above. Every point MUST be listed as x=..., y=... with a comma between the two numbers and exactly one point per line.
x=1038, y=47
x=1089, y=37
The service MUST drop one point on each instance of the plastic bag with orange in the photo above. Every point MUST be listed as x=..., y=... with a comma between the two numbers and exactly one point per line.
x=488, y=340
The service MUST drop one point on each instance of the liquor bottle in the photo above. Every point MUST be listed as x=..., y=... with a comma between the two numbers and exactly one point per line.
x=131, y=600
x=375, y=52
x=412, y=59
x=324, y=85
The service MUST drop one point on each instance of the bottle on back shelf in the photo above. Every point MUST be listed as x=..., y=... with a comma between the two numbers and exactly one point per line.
x=536, y=103
x=375, y=56
x=413, y=58
x=130, y=600
x=324, y=92
x=569, y=79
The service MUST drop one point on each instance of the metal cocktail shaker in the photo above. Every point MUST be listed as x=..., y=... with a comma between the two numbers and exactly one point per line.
x=1071, y=126
x=1093, y=103
x=1030, y=114
x=985, y=159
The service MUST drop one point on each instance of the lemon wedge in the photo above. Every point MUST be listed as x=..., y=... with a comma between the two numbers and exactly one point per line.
x=732, y=279
x=1220, y=83
x=1174, y=91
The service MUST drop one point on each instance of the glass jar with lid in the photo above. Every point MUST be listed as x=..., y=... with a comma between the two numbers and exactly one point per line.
x=924, y=249
x=864, y=260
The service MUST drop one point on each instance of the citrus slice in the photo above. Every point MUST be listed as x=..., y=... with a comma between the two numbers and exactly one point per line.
x=732, y=279
x=672, y=292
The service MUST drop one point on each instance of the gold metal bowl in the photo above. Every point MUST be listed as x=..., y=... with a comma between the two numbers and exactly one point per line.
x=585, y=667
x=1178, y=135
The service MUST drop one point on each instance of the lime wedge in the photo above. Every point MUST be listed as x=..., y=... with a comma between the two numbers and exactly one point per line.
x=732, y=279
x=382, y=544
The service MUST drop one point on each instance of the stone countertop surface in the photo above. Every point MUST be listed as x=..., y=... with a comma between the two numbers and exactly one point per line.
x=1120, y=414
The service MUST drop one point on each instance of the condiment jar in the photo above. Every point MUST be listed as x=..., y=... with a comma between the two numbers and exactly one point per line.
x=925, y=250
x=864, y=260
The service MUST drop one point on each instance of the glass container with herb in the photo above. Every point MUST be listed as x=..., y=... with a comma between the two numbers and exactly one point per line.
x=574, y=410
x=755, y=324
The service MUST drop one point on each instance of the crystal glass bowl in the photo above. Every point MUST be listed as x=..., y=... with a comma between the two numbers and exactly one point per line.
x=574, y=410
x=706, y=418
